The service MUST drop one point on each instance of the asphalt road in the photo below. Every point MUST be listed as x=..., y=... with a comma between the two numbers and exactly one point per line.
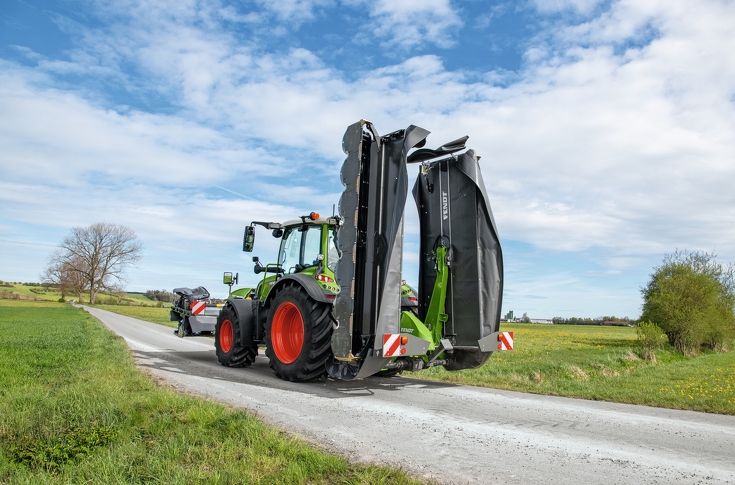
x=450, y=433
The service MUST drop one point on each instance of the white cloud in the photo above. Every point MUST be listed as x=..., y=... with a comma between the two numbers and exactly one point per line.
x=412, y=23
x=552, y=6
x=294, y=10
x=618, y=134
x=587, y=127
x=56, y=137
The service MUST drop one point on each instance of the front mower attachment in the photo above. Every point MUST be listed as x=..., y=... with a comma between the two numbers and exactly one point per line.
x=370, y=239
x=453, y=205
x=461, y=267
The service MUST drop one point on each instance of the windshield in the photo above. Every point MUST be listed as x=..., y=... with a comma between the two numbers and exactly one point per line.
x=299, y=249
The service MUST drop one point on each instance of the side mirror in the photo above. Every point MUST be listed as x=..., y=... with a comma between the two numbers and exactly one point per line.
x=249, y=239
x=227, y=278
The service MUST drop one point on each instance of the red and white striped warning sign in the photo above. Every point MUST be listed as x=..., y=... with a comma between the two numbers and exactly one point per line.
x=505, y=341
x=198, y=307
x=391, y=344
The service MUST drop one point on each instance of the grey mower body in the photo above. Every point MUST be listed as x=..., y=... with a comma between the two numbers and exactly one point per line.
x=454, y=212
x=453, y=204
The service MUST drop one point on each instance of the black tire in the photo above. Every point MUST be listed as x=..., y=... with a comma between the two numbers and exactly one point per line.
x=230, y=352
x=292, y=307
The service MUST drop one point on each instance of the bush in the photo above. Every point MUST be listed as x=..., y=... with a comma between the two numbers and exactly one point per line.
x=160, y=295
x=108, y=300
x=692, y=298
x=650, y=338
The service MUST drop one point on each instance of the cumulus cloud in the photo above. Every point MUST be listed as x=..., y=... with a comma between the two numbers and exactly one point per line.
x=56, y=137
x=588, y=128
x=616, y=137
x=295, y=10
x=553, y=6
x=411, y=23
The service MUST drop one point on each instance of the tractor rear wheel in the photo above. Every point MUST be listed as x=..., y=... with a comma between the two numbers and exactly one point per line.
x=230, y=352
x=298, y=335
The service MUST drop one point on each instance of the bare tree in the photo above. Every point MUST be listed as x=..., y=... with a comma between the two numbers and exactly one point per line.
x=99, y=255
x=63, y=274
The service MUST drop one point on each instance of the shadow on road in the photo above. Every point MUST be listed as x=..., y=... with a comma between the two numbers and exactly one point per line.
x=204, y=364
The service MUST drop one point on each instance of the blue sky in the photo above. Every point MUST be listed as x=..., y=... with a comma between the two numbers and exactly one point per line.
x=606, y=129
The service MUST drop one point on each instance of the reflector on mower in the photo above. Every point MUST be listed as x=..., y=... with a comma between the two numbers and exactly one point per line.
x=197, y=307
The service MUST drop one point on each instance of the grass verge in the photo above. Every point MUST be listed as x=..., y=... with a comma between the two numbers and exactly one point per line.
x=74, y=409
x=602, y=363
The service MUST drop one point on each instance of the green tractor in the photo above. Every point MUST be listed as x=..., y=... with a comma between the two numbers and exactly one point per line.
x=292, y=299
x=335, y=303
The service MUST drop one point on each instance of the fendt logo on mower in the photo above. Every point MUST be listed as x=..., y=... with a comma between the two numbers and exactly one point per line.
x=445, y=206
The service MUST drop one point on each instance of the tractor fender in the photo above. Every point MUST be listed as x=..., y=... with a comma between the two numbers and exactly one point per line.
x=307, y=283
x=245, y=319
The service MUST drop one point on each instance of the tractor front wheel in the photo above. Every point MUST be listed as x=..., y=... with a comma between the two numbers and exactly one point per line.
x=298, y=335
x=230, y=352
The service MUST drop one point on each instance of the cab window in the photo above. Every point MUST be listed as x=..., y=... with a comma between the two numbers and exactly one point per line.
x=312, y=245
x=299, y=249
x=290, y=249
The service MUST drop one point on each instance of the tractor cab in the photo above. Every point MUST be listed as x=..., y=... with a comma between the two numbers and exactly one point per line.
x=307, y=247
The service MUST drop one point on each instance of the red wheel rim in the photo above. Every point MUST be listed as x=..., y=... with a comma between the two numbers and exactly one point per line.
x=287, y=333
x=225, y=336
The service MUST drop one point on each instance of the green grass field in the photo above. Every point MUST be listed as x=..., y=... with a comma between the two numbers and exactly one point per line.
x=134, y=305
x=74, y=409
x=147, y=313
x=29, y=292
x=7, y=290
x=602, y=363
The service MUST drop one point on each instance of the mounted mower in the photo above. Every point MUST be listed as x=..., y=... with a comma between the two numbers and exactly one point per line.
x=335, y=304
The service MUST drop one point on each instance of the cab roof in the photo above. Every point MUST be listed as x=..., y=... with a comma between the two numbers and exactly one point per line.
x=332, y=221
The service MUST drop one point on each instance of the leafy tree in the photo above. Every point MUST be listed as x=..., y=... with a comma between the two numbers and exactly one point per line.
x=692, y=298
x=98, y=255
